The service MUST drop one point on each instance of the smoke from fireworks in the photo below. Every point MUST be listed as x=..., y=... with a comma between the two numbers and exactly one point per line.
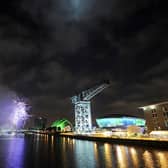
x=20, y=114
x=13, y=110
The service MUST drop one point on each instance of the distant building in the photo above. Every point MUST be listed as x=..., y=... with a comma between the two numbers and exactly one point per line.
x=156, y=116
x=62, y=125
x=119, y=121
x=40, y=123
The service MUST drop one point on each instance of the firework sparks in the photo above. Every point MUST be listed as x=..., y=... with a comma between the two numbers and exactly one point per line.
x=20, y=114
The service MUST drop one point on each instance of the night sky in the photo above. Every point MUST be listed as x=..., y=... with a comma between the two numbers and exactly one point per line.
x=52, y=49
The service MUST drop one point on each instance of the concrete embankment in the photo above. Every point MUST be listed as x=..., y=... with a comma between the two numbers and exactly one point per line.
x=148, y=142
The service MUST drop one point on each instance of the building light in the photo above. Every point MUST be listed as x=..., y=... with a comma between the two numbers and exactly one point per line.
x=144, y=108
x=152, y=107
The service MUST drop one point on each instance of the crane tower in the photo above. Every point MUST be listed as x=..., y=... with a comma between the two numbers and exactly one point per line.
x=82, y=104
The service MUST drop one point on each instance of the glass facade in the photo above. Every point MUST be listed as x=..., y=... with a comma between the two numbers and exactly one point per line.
x=120, y=122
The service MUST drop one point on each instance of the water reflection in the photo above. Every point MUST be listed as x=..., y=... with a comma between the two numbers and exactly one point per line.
x=107, y=154
x=15, y=153
x=147, y=157
x=134, y=157
x=96, y=152
x=162, y=159
x=84, y=154
x=122, y=156
x=51, y=152
x=52, y=143
x=46, y=139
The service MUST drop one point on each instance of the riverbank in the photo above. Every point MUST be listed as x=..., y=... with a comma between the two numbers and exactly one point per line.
x=133, y=141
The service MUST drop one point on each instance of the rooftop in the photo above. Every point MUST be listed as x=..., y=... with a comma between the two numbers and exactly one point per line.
x=114, y=115
x=152, y=106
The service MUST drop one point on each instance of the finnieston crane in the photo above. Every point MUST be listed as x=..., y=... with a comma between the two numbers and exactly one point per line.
x=82, y=103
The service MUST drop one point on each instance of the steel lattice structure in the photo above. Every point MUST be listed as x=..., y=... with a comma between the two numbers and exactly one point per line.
x=82, y=103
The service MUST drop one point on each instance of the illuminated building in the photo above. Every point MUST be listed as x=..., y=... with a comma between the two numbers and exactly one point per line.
x=156, y=116
x=40, y=123
x=62, y=125
x=119, y=121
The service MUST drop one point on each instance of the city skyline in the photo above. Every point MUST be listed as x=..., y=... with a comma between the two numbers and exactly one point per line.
x=52, y=49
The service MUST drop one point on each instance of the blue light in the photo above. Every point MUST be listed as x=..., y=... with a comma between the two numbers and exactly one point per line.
x=120, y=121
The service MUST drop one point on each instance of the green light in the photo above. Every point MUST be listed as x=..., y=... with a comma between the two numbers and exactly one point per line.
x=61, y=124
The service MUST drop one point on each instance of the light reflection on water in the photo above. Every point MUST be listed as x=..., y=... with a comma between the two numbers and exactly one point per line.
x=11, y=153
x=107, y=154
x=162, y=159
x=15, y=148
x=50, y=151
x=149, y=161
x=121, y=156
x=134, y=157
x=86, y=150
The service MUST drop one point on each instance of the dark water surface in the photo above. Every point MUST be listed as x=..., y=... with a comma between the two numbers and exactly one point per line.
x=42, y=151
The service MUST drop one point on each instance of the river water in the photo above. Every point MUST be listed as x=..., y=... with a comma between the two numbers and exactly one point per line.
x=42, y=151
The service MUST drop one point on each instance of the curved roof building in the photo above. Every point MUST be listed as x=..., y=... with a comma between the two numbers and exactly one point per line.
x=118, y=120
x=61, y=124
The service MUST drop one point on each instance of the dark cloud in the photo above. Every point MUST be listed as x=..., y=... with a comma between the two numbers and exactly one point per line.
x=52, y=49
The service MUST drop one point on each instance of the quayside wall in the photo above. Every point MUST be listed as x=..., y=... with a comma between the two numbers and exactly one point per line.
x=155, y=143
